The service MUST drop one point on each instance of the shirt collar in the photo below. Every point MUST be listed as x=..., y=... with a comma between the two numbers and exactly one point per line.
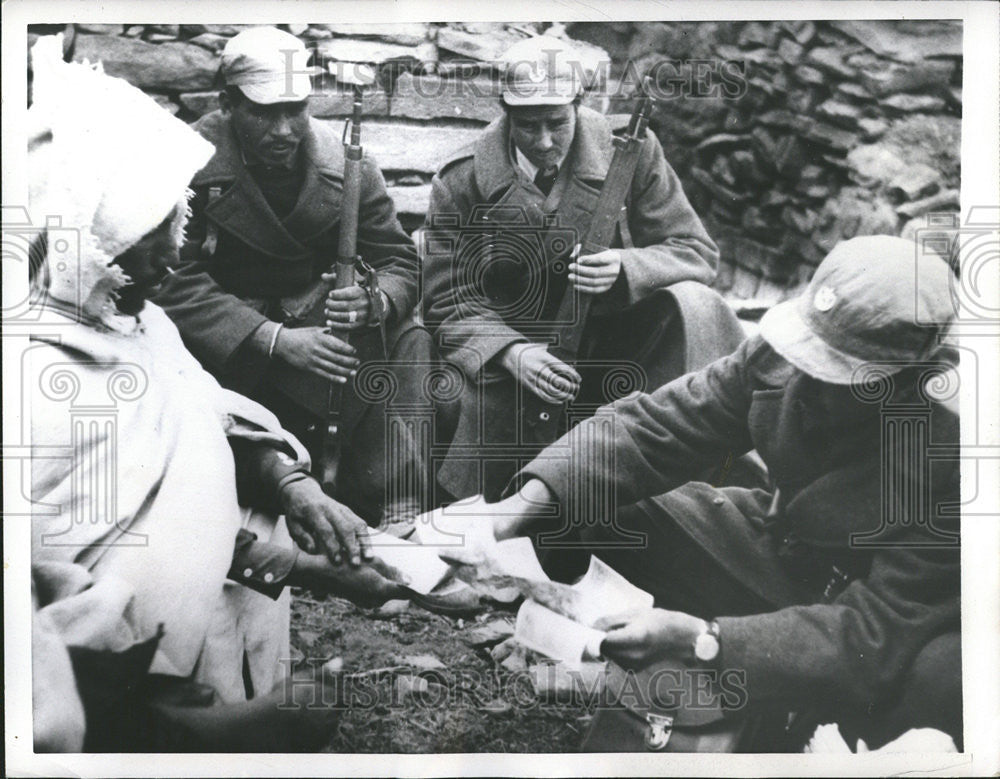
x=526, y=165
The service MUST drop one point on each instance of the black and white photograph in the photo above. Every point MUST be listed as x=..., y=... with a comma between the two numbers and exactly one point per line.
x=408, y=389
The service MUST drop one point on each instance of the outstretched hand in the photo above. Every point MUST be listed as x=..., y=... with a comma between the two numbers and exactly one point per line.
x=319, y=524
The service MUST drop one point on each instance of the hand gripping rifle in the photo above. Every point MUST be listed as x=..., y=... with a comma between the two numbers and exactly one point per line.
x=347, y=259
x=542, y=418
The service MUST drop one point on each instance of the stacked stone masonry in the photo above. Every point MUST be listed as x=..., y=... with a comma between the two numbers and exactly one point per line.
x=788, y=136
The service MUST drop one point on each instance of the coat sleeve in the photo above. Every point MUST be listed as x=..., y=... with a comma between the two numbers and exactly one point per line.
x=648, y=444
x=213, y=323
x=853, y=651
x=468, y=333
x=671, y=242
x=384, y=244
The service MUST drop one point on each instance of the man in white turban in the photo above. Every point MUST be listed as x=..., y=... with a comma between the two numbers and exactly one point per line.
x=142, y=461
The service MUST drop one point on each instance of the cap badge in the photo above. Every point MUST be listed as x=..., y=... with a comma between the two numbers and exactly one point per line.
x=825, y=298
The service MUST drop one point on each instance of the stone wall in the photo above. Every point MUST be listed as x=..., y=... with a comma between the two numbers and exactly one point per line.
x=812, y=132
x=788, y=136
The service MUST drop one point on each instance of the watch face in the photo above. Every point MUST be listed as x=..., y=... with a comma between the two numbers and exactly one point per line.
x=706, y=648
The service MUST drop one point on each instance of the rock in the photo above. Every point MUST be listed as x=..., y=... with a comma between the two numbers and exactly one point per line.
x=887, y=78
x=872, y=129
x=779, y=117
x=199, y=103
x=832, y=137
x=841, y=114
x=954, y=96
x=211, y=41
x=783, y=155
x=803, y=100
x=790, y=51
x=159, y=37
x=169, y=66
x=100, y=29
x=392, y=607
x=372, y=52
x=806, y=74
x=297, y=28
x=406, y=34
x=166, y=103
x=853, y=91
x=905, y=41
x=802, y=221
x=228, y=30
x=946, y=200
x=331, y=102
x=433, y=97
x=743, y=167
x=757, y=34
x=316, y=34
x=414, y=147
x=914, y=182
x=410, y=686
x=722, y=142
x=908, y=104
x=755, y=224
x=423, y=662
x=488, y=634
x=802, y=31
x=164, y=29
x=485, y=46
x=517, y=660
x=135, y=31
x=830, y=60
x=716, y=189
x=853, y=212
x=875, y=165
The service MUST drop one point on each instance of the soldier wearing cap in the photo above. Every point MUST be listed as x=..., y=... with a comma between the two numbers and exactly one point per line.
x=545, y=160
x=262, y=240
x=836, y=590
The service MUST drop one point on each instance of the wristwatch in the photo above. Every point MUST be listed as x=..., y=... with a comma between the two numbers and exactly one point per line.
x=708, y=643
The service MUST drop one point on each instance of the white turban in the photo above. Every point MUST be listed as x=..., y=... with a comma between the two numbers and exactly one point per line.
x=109, y=164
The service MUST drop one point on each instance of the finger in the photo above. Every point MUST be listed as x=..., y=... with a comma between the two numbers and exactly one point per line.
x=590, y=287
x=328, y=539
x=334, y=344
x=587, y=271
x=346, y=327
x=365, y=542
x=566, y=371
x=331, y=370
x=301, y=538
x=347, y=294
x=348, y=528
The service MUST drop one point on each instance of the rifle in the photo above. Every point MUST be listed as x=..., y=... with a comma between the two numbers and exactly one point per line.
x=347, y=258
x=541, y=417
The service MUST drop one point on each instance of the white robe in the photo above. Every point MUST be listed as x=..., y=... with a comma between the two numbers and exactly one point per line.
x=133, y=479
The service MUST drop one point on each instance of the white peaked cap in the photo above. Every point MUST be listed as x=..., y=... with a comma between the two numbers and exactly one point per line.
x=105, y=160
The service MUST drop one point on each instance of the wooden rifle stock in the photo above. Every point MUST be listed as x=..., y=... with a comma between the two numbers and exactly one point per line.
x=346, y=260
x=540, y=417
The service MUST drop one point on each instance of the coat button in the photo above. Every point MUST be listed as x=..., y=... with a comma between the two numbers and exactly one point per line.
x=248, y=572
x=719, y=501
x=268, y=577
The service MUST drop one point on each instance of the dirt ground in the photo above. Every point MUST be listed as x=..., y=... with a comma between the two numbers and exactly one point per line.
x=428, y=683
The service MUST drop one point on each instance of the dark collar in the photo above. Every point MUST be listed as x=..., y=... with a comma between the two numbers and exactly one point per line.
x=242, y=210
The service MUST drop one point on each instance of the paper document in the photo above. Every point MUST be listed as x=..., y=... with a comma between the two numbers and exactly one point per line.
x=553, y=635
x=420, y=564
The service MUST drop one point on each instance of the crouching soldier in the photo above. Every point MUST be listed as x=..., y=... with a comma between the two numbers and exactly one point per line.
x=504, y=217
x=248, y=296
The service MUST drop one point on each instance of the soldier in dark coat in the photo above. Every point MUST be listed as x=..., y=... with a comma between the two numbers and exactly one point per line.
x=827, y=590
x=249, y=294
x=505, y=214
